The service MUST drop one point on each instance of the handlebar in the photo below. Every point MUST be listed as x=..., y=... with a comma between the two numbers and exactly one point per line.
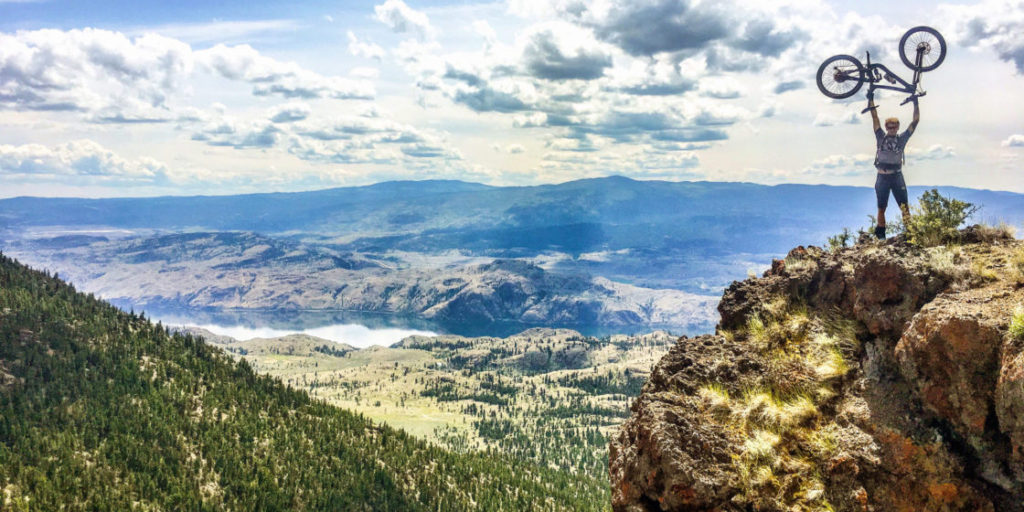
x=912, y=97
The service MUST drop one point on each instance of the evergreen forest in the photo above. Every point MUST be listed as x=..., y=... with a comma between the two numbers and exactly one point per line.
x=104, y=410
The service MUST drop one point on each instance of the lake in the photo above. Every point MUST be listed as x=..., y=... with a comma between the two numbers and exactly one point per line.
x=361, y=329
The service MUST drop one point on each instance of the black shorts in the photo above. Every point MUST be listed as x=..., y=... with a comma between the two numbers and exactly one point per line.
x=885, y=183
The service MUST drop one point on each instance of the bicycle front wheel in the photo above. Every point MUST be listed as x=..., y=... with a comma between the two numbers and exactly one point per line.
x=928, y=42
x=840, y=76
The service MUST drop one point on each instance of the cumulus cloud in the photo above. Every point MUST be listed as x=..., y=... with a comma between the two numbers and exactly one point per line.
x=515, y=149
x=271, y=76
x=361, y=49
x=486, y=31
x=533, y=119
x=723, y=88
x=934, y=152
x=791, y=85
x=401, y=18
x=851, y=117
x=1014, y=141
x=658, y=77
x=289, y=112
x=90, y=69
x=563, y=51
x=841, y=165
x=648, y=27
x=995, y=24
x=763, y=37
x=116, y=79
x=239, y=134
x=80, y=158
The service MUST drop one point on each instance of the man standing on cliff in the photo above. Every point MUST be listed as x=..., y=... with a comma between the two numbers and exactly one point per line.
x=889, y=162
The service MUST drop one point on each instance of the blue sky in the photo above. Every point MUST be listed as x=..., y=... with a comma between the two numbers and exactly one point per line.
x=136, y=98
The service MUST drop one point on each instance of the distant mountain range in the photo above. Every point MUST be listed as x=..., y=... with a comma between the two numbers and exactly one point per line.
x=575, y=217
x=694, y=237
x=232, y=270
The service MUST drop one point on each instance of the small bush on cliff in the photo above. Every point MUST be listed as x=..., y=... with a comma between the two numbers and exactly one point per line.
x=935, y=219
x=839, y=241
x=1017, y=324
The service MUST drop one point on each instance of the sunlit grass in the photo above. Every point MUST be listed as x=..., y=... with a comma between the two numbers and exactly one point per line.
x=1017, y=324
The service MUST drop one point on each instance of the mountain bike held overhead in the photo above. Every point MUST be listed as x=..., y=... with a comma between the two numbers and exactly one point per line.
x=922, y=49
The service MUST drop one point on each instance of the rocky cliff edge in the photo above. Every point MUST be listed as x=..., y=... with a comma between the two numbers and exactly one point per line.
x=882, y=377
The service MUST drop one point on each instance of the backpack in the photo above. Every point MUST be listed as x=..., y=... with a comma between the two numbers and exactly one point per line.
x=889, y=151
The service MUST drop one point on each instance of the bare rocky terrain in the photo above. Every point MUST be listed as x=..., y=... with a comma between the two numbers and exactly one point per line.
x=880, y=377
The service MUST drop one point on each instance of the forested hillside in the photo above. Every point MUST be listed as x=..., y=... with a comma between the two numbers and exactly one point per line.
x=103, y=410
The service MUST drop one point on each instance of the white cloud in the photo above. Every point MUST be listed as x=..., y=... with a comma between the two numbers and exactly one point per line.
x=403, y=19
x=114, y=79
x=530, y=120
x=361, y=49
x=90, y=69
x=934, y=152
x=289, y=112
x=995, y=24
x=725, y=88
x=365, y=73
x=486, y=31
x=218, y=31
x=515, y=149
x=1014, y=141
x=271, y=76
x=561, y=51
x=80, y=158
x=841, y=165
x=850, y=117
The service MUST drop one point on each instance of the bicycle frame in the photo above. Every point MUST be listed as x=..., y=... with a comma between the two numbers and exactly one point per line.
x=875, y=73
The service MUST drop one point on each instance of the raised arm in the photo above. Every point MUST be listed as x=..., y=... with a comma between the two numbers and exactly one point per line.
x=917, y=117
x=875, y=125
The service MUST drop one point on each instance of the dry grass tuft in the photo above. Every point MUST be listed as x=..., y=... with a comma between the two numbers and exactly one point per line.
x=989, y=234
x=981, y=270
x=949, y=262
x=1017, y=265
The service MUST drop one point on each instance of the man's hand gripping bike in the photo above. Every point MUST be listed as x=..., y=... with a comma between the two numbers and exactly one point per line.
x=921, y=49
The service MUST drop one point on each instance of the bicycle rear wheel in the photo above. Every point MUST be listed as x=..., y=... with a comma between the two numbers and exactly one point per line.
x=929, y=42
x=840, y=76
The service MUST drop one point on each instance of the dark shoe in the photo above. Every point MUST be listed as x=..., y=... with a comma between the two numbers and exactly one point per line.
x=880, y=232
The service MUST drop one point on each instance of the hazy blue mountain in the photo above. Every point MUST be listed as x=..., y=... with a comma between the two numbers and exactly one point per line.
x=397, y=243
x=579, y=216
x=695, y=236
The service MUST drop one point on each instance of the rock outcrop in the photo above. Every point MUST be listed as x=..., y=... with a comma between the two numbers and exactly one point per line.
x=883, y=377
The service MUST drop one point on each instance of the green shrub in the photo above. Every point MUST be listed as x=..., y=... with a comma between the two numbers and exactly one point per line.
x=935, y=219
x=1017, y=324
x=839, y=241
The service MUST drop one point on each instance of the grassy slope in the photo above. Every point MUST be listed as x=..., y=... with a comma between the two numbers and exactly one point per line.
x=103, y=410
x=479, y=393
